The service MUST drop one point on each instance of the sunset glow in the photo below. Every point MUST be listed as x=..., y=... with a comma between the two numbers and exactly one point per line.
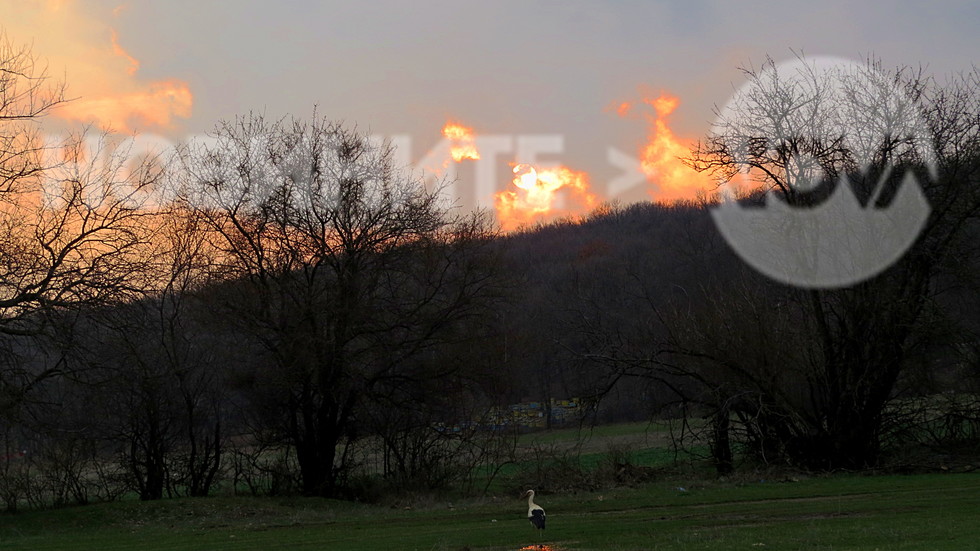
x=134, y=64
x=623, y=108
x=153, y=107
x=83, y=46
x=542, y=194
x=461, y=142
x=661, y=156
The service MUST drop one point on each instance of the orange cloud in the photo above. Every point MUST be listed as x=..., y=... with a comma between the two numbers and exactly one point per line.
x=461, y=139
x=661, y=156
x=623, y=108
x=81, y=44
x=154, y=107
x=134, y=64
x=536, y=196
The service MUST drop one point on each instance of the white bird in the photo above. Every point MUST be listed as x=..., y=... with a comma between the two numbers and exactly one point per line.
x=535, y=513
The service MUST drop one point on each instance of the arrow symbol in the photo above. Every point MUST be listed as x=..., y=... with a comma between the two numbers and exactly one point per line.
x=631, y=177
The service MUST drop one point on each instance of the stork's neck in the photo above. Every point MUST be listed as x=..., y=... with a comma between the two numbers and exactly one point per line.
x=530, y=499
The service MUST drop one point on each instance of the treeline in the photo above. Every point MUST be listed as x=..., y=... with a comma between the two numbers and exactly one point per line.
x=282, y=310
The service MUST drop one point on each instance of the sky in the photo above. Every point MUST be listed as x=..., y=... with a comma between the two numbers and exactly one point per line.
x=505, y=68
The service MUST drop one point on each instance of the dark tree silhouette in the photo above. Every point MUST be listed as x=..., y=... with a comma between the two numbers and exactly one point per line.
x=346, y=270
x=820, y=401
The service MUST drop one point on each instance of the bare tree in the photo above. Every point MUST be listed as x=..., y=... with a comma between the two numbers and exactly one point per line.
x=26, y=95
x=159, y=379
x=73, y=232
x=343, y=269
x=821, y=401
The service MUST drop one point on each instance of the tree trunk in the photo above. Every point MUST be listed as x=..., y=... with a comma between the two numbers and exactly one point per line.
x=721, y=447
x=316, y=450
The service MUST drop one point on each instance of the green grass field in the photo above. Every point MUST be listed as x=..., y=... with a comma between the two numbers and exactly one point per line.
x=934, y=512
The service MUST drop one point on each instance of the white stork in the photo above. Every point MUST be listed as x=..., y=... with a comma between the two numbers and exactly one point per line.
x=535, y=513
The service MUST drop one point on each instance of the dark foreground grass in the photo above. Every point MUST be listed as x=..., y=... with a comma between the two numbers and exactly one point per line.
x=934, y=512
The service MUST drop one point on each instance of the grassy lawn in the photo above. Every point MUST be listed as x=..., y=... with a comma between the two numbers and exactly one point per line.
x=935, y=512
x=642, y=444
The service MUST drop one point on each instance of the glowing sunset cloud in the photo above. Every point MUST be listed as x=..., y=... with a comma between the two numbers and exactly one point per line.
x=623, y=108
x=660, y=156
x=461, y=141
x=154, y=107
x=538, y=193
x=78, y=43
x=134, y=64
